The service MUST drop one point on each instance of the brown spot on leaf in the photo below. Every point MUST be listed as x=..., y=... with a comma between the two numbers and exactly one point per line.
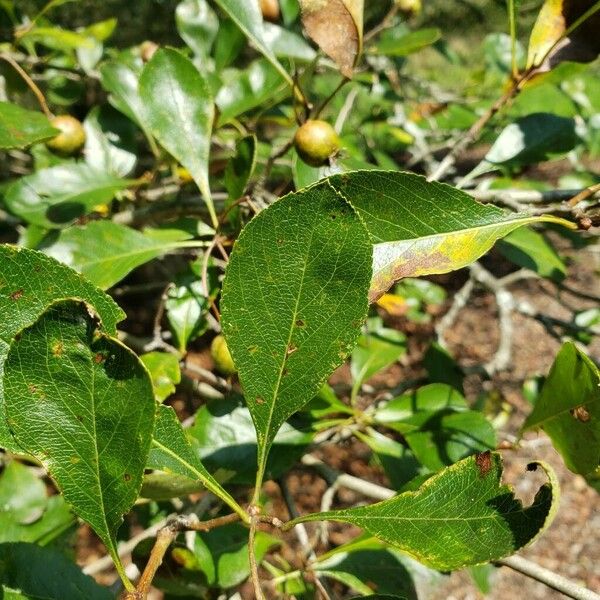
x=300, y=323
x=127, y=477
x=32, y=388
x=17, y=294
x=57, y=349
x=581, y=414
x=483, y=460
x=291, y=349
x=99, y=358
x=260, y=400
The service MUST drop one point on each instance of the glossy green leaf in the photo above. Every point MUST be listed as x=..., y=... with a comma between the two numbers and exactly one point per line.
x=105, y=252
x=394, y=44
x=223, y=554
x=68, y=395
x=179, y=111
x=164, y=371
x=197, y=25
x=420, y=227
x=109, y=142
x=225, y=439
x=531, y=250
x=29, y=572
x=530, y=139
x=459, y=517
x=365, y=570
x=20, y=128
x=57, y=38
x=305, y=263
x=56, y=197
x=29, y=283
x=28, y=514
x=568, y=409
x=187, y=304
x=247, y=16
x=376, y=350
x=171, y=452
x=258, y=85
x=120, y=77
x=287, y=44
x=240, y=167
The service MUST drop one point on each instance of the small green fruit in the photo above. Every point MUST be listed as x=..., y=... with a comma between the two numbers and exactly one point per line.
x=71, y=137
x=222, y=357
x=316, y=142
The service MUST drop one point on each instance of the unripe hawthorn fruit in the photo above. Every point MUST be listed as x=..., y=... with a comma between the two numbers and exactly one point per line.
x=316, y=142
x=221, y=356
x=270, y=10
x=71, y=137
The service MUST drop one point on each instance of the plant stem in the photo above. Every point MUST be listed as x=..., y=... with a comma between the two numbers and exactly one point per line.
x=549, y=578
x=32, y=86
x=165, y=537
x=258, y=593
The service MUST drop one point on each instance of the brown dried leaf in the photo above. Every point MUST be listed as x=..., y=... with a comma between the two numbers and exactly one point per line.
x=337, y=27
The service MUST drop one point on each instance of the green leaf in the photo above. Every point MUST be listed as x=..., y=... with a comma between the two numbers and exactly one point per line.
x=57, y=38
x=531, y=250
x=568, y=409
x=20, y=128
x=29, y=283
x=223, y=554
x=179, y=111
x=376, y=350
x=197, y=25
x=109, y=141
x=287, y=44
x=459, y=517
x=55, y=197
x=225, y=439
x=27, y=514
x=247, y=16
x=164, y=371
x=367, y=569
x=420, y=227
x=105, y=252
x=69, y=390
x=187, y=304
x=531, y=139
x=240, y=167
x=171, y=452
x=257, y=85
x=120, y=77
x=393, y=44
x=305, y=264
x=33, y=573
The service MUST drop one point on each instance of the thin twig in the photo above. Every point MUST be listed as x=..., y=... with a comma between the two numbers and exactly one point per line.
x=32, y=86
x=385, y=23
x=254, y=576
x=549, y=578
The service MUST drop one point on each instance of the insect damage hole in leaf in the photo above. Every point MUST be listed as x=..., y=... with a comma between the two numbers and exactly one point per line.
x=461, y=516
x=83, y=405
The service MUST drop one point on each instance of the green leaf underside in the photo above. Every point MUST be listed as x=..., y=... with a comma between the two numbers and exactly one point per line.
x=568, y=409
x=461, y=516
x=171, y=452
x=20, y=127
x=105, y=252
x=294, y=299
x=179, y=111
x=55, y=197
x=83, y=405
x=29, y=282
x=422, y=228
x=33, y=573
